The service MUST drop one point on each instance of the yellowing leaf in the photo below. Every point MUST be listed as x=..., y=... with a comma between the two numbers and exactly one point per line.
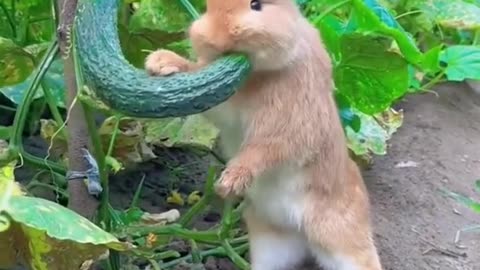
x=42, y=233
x=175, y=198
x=130, y=146
x=151, y=240
x=56, y=140
x=193, y=197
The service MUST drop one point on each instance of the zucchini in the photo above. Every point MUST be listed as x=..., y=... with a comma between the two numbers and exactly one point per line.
x=131, y=91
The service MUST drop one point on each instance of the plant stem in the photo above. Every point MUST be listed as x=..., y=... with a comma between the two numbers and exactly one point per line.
x=434, y=81
x=173, y=230
x=218, y=251
x=190, y=8
x=100, y=158
x=235, y=257
x=54, y=109
x=203, y=202
x=476, y=38
x=22, y=113
x=34, y=184
x=104, y=214
x=6, y=108
x=80, y=200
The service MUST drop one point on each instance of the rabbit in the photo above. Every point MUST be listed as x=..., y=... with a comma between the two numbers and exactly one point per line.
x=282, y=135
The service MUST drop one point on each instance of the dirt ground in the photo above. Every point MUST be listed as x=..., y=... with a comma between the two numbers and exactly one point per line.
x=415, y=225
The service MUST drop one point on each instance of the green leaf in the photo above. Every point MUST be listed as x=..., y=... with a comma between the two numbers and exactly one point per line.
x=5, y=132
x=16, y=64
x=192, y=131
x=456, y=14
x=466, y=201
x=431, y=61
x=371, y=77
x=368, y=16
x=164, y=15
x=35, y=23
x=462, y=62
x=43, y=233
x=331, y=29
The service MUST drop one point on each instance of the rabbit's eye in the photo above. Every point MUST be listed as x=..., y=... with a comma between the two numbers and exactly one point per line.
x=255, y=5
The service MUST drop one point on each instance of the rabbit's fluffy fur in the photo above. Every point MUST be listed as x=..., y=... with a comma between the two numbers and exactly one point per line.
x=283, y=136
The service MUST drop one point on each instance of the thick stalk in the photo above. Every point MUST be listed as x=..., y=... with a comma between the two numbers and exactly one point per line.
x=80, y=200
x=16, y=144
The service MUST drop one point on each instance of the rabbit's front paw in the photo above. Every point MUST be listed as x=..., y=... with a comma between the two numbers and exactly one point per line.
x=233, y=181
x=164, y=63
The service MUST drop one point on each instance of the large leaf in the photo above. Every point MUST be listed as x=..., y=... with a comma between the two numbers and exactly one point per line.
x=369, y=16
x=371, y=77
x=457, y=14
x=463, y=62
x=34, y=20
x=53, y=81
x=44, y=234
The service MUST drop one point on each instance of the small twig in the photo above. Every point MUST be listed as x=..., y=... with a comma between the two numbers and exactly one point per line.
x=458, y=234
x=435, y=247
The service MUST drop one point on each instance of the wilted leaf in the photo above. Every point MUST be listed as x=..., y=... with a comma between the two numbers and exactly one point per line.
x=463, y=62
x=175, y=198
x=43, y=234
x=56, y=140
x=371, y=77
x=129, y=146
x=192, y=131
x=456, y=14
x=390, y=120
x=373, y=134
x=193, y=197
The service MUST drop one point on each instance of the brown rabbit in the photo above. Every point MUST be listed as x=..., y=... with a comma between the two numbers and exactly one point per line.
x=283, y=136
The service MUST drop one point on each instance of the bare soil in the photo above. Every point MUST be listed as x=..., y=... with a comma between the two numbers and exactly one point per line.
x=415, y=224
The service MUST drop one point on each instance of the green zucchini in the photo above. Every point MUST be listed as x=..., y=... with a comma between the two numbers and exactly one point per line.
x=131, y=91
